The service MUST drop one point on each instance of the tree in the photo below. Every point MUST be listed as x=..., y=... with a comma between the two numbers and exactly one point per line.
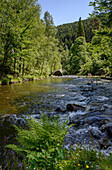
x=101, y=42
x=78, y=55
x=102, y=7
x=80, y=31
x=17, y=18
x=48, y=20
x=52, y=51
x=65, y=60
x=28, y=45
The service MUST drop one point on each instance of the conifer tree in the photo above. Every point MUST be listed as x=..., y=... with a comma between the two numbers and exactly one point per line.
x=80, y=29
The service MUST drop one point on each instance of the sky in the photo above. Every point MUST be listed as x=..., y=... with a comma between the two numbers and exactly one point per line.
x=66, y=11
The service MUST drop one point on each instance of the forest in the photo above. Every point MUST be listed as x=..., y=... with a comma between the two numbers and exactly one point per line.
x=34, y=46
x=57, y=123
x=28, y=44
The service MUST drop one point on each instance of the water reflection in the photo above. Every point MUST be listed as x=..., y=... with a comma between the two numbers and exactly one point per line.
x=11, y=93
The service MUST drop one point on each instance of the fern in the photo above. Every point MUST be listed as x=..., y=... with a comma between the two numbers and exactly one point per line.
x=42, y=143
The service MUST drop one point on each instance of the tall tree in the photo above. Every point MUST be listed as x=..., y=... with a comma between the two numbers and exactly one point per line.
x=78, y=54
x=48, y=19
x=17, y=21
x=80, y=31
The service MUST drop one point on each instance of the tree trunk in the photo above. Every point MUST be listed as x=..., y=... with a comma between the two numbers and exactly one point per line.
x=20, y=65
x=14, y=65
x=42, y=68
x=23, y=67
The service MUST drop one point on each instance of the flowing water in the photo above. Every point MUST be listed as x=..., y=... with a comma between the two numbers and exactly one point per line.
x=93, y=125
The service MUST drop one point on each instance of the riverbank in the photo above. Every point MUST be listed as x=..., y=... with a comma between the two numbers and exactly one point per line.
x=11, y=80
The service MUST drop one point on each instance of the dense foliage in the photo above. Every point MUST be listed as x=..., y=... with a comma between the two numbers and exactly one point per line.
x=90, y=51
x=103, y=7
x=28, y=44
x=35, y=47
x=67, y=33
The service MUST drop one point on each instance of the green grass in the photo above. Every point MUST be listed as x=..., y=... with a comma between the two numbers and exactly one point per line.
x=82, y=158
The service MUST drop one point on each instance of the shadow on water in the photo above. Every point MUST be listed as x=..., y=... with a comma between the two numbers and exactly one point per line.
x=52, y=95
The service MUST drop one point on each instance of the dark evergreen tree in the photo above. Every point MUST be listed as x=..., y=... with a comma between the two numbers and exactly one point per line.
x=80, y=31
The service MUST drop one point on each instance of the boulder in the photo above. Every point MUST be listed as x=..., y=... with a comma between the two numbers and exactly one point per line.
x=101, y=72
x=75, y=107
x=108, y=129
x=58, y=73
x=104, y=143
x=58, y=109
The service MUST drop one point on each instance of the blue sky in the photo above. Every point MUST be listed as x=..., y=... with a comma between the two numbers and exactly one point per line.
x=66, y=11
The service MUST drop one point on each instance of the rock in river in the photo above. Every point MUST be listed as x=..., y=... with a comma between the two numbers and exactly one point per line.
x=58, y=109
x=75, y=107
x=58, y=72
x=104, y=143
x=108, y=129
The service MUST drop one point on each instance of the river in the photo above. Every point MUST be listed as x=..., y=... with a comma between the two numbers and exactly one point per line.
x=93, y=125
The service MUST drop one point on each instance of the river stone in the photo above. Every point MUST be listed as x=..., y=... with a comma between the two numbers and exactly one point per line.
x=109, y=131
x=88, y=88
x=58, y=72
x=107, y=128
x=101, y=72
x=75, y=107
x=58, y=109
x=104, y=143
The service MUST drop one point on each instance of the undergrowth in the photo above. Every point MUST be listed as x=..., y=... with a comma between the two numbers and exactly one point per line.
x=42, y=147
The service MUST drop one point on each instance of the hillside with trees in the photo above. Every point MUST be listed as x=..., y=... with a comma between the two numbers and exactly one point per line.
x=89, y=42
x=35, y=47
x=67, y=33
